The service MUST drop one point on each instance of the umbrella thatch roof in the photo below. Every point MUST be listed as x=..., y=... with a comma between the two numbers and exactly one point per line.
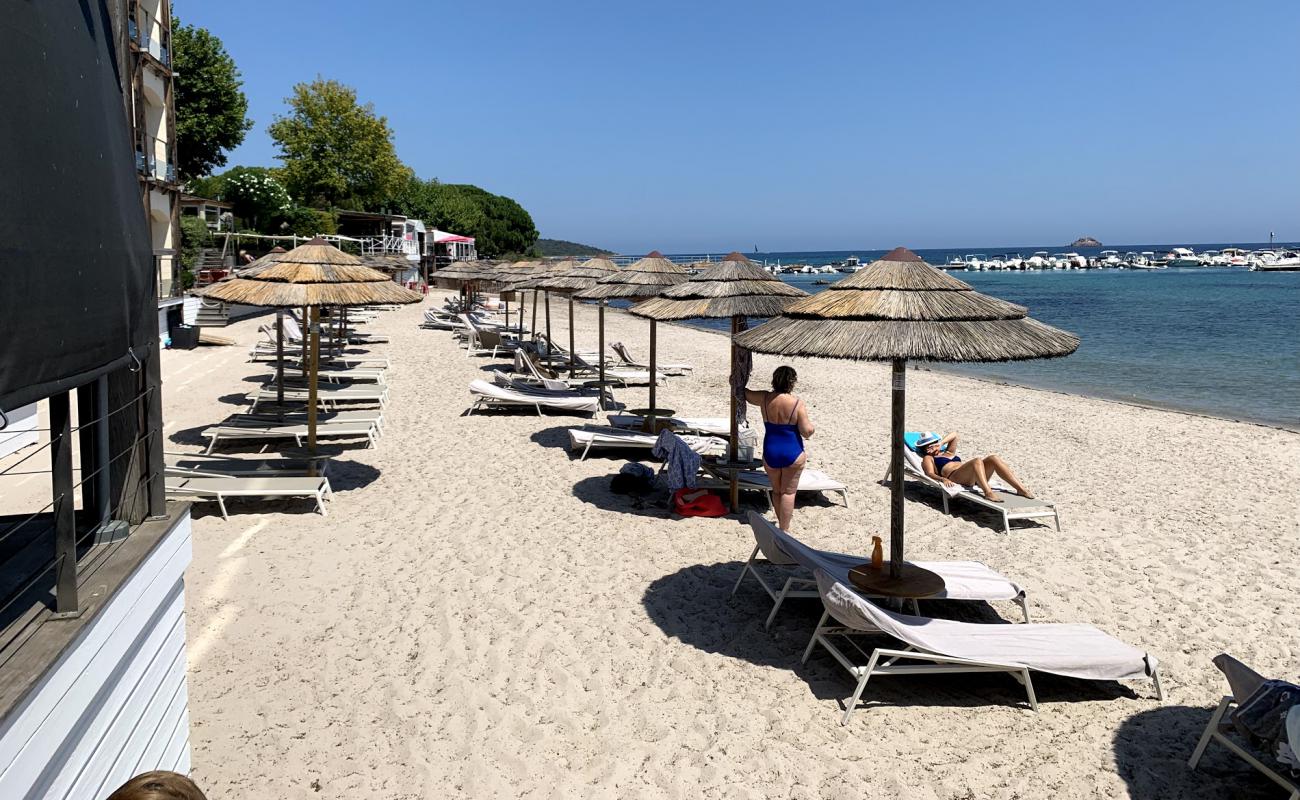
x=272, y=256
x=645, y=278
x=466, y=271
x=394, y=262
x=581, y=276
x=901, y=307
x=732, y=287
x=312, y=274
x=541, y=272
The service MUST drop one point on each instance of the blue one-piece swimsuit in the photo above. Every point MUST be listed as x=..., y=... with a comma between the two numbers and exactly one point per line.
x=782, y=444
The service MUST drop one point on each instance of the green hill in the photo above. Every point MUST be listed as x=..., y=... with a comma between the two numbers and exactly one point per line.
x=559, y=247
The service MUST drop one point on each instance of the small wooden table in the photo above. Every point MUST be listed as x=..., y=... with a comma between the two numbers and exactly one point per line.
x=912, y=583
x=726, y=470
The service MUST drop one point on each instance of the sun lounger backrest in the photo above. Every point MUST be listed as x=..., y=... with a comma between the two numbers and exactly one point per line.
x=910, y=456
x=766, y=535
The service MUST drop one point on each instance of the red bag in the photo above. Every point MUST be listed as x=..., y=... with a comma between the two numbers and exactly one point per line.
x=698, y=503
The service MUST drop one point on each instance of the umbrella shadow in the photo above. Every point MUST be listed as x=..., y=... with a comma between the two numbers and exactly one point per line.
x=555, y=438
x=1151, y=752
x=695, y=606
x=235, y=399
x=347, y=475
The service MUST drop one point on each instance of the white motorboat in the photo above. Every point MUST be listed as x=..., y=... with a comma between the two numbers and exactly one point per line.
x=975, y=262
x=1038, y=260
x=1183, y=257
x=1109, y=259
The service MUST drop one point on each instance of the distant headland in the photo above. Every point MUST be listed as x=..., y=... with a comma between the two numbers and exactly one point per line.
x=560, y=247
x=1085, y=241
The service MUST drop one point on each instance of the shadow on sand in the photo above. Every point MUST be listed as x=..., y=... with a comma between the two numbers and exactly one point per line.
x=1151, y=752
x=595, y=491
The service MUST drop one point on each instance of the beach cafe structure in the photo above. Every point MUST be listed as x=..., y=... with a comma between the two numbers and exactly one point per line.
x=92, y=556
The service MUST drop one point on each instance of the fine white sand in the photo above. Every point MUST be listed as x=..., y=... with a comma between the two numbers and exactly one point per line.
x=480, y=617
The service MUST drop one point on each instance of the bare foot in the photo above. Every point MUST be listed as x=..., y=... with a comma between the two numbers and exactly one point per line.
x=1028, y=495
x=992, y=496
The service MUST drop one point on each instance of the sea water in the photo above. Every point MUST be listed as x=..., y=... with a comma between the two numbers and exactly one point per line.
x=1217, y=341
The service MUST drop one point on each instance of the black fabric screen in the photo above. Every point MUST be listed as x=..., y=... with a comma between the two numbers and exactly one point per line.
x=76, y=264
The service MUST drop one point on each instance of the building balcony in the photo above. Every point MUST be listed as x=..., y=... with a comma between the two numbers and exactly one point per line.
x=155, y=159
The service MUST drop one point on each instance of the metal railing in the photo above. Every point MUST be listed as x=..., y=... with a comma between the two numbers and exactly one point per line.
x=683, y=258
x=141, y=32
x=156, y=158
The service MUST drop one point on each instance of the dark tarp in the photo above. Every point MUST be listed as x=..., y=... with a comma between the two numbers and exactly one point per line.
x=76, y=263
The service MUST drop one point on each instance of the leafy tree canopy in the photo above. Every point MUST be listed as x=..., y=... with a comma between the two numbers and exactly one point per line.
x=260, y=200
x=498, y=224
x=211, y=110
x=336, y=152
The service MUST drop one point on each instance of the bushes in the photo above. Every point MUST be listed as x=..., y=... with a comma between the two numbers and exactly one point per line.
x=194, y=237
x=304, y=221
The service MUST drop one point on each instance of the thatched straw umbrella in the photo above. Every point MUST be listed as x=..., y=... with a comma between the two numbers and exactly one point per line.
x=312, y=275
x=581, y=276
x=734, y=288
x=509, y=274
x=541, y=272
x=901, y=308
x=466, y=275
x=641, y=280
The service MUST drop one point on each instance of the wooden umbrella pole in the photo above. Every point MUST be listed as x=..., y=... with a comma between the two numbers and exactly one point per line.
x=653, y=377
x=601, y=362
x=311, y=388
x=279, y=358
x=534, y=312
x=733, y=447
x=573, y=353
x=549, y=340
x=306, y=341
x=899, y=396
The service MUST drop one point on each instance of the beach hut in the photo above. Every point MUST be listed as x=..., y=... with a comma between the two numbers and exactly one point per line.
x=736, y=289
x=311, y=276
x=900, y=308
x=641, y=280
x=580, y=277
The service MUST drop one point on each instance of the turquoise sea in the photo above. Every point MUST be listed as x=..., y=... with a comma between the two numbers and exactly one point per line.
x=1217, y=341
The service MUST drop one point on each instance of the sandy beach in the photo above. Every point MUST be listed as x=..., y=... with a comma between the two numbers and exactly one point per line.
x=479, y=616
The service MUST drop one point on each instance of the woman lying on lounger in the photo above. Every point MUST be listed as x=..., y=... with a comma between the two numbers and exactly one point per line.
x=940, y=461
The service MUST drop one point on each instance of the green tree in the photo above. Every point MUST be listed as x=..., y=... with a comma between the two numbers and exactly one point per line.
x=498, y=224
x=211, y=110
x=260, y=201
x=194, y=237
x=336, y=152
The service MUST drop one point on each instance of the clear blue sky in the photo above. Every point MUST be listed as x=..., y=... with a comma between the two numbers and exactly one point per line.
x=719, y=125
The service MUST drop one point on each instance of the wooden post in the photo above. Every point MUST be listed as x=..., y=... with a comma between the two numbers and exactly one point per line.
x=549, y=345
x=155, y=469
x=733, y=448
x=306, y=342
x=65, y=523
x=653, y=377
x=573, y=352
x=897, y=414
x=88, y=440
x=534, y=312
x=279, y=357
x=311, y=387
x=601, y=315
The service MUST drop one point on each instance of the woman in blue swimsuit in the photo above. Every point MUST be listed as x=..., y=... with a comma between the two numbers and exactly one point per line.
x=786, y=425
x=940, y=461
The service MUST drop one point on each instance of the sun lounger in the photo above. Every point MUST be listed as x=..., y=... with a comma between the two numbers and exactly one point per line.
x=1243, y=681
x=625, y=359
x=810, y=480
x=222, y=466
x=220, y=489
x=488, y=395
x=940, y=646
x=293, y=360
x=327, y=397
x=289, y=430
x=269, y=416
x=963, y=580
x=600, y=437
x=1012, y=507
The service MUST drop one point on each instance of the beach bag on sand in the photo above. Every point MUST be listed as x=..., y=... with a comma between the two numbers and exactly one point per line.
x=698, y=503
x=634, y=479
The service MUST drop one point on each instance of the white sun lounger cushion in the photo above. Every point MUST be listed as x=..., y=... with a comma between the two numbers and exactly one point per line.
x=571, y=401
x=963, y=580
x=1072, y=650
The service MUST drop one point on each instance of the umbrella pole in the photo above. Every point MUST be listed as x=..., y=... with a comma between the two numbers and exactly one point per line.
x=279, y=358
x=311, y=389
x=899, y=396
x=306, y=341
x=573, y=355
x=733, y=447
x=549, y=345
x=601, y=361
x=653, y=376
x=534, y=312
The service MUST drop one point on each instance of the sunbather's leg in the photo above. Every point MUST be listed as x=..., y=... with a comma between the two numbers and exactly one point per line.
x=784, y=486
x=997, y=467
x=975, y=472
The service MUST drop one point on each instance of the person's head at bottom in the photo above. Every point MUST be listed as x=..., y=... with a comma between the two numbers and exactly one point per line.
x=158, y=785
x=784, y=379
